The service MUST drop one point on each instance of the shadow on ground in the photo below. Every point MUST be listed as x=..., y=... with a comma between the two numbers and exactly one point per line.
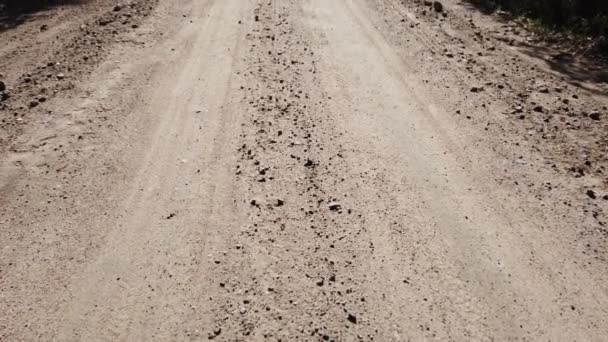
x=584, y=72
x=15, y=12
x=588, y=71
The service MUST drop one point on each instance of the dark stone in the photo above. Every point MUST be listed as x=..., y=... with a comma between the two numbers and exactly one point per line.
x=333, y=206
x=438, y=6
x=105, y=21
x=595, y=116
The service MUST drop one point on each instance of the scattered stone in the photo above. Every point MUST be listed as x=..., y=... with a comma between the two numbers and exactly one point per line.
x=44, y=28
x=4, y=95
x=595, y=115
x=117, y=8
x=437, y=6
x=2, y=86
x=539, y=109
x=215, y=333
x=352, y=318
x=280, y=203
x=60, y=76
x=334, y=206
x=33, y=103
x=106, y=21
x=591, y=194
x=476, y=89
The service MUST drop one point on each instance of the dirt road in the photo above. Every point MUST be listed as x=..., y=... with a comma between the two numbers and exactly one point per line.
x=299, y=170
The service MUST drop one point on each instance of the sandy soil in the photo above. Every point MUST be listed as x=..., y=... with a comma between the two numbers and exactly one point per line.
x=285, y=170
